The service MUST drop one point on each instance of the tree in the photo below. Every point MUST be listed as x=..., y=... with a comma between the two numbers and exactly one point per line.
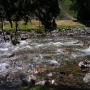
x=11, y=9
x=7, y=7
x=46, y=11
x=2, y=17
x=83, y=11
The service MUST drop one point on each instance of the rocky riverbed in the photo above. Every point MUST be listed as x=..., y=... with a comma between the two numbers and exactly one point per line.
x=50, y=56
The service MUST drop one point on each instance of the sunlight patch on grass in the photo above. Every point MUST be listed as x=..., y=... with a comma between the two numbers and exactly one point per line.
x=36, y=24
x=69, y=24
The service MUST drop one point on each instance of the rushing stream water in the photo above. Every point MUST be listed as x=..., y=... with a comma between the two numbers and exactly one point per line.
x=46, y=51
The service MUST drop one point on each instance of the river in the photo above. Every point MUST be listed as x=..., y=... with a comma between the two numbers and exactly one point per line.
x=42, y=51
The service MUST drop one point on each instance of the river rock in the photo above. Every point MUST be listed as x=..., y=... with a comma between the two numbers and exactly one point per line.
x=86, y=79
x=41, y=82
x=53, y=62
x=85, y=64
x=24, y=37
x=49, y=74
x=4, y=68
x=87, y=31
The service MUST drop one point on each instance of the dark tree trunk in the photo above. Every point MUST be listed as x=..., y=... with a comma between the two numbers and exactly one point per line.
x=15, y=38
x=16, y=30
x=3, y=30
x=16, y=22
x=11, y=24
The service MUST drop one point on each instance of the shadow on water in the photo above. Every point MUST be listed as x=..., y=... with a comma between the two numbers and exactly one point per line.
x=46, y=87
x=51, y=87
x=8, y=88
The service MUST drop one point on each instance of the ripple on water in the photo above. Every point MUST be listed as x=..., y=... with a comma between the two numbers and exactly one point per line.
x=4, y=67
x=54, y=46
x=86, y=51
x=73, y=43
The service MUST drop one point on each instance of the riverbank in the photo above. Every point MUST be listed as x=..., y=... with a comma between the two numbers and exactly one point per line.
x=36, y=25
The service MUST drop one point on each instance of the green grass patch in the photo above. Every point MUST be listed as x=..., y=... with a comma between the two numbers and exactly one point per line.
x=33, y=25
x=69, y=24
x=38, y=27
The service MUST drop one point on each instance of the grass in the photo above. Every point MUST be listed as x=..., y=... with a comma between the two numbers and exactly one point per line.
x=68, y=24
x=21, y=25
x=36, y=25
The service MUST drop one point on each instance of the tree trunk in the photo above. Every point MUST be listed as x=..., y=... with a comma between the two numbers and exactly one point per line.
x=11, y=24
x=15, y=40
x=16, y=26
x=16, y=23
x=3, y=30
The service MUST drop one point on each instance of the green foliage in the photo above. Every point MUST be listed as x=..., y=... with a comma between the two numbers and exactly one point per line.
x=45, y=10
x=83, y=11
x=67, y=12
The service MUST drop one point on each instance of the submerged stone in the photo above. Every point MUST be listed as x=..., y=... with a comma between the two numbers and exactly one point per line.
x=86, y=79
